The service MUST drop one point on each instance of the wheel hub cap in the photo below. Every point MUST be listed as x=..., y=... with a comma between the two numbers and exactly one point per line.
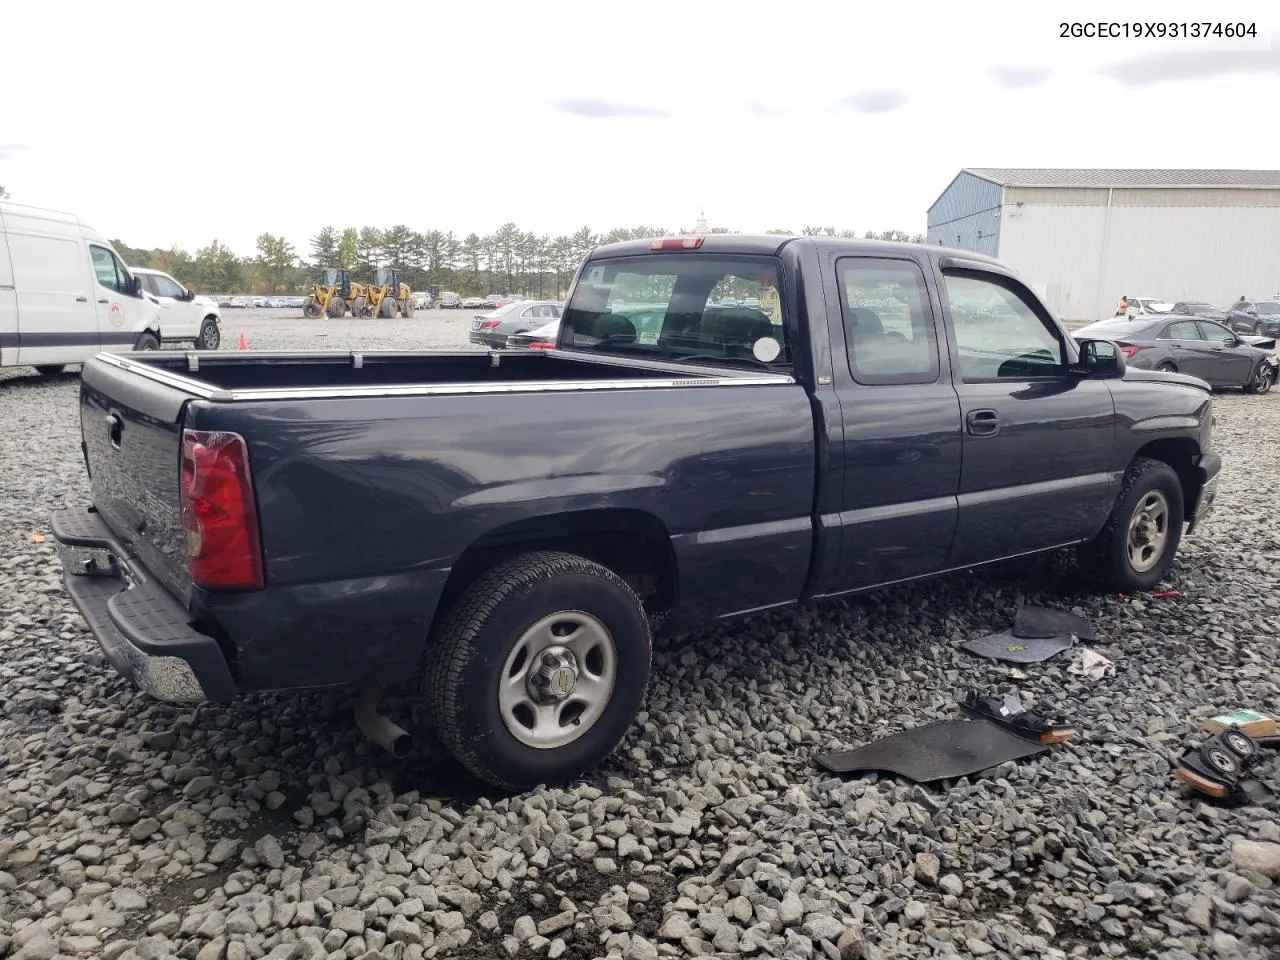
x=555, y=676
x=1148, y=532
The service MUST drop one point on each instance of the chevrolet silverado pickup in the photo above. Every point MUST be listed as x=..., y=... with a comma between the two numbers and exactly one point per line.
x=501, y=532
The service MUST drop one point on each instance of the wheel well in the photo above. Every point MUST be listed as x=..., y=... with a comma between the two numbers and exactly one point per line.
x=210, y=316
x=633, y=544
x=1179, y=453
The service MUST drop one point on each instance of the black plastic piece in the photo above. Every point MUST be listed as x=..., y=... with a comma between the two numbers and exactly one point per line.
x=1009, y=712
x=1043, y=623
x=945, y=750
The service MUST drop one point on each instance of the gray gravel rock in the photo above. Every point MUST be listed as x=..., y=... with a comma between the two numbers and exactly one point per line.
x=135, y=830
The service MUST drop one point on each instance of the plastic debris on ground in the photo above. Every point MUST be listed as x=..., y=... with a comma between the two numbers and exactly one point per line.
x=1089, y=663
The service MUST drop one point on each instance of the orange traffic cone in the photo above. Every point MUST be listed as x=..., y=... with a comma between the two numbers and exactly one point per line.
x=244, y=344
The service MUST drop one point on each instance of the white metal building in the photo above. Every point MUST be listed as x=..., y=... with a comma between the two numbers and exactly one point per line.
x=1084, y=238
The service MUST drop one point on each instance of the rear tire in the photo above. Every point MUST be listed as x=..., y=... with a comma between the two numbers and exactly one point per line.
x=1257, y=329
x=407, y=312
x=1135, y=549
x=50, y=369
x=210, y=336
x=387, y=309
x=311, y=309
x=357, y=307
x=337, y=308
x=492, y=667
x=1168, y=367
x=147, y=341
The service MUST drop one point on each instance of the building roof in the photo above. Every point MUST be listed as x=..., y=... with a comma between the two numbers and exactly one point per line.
x=1031, y=177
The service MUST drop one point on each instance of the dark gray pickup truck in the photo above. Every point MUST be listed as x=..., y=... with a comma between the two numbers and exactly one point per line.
x=729, y=424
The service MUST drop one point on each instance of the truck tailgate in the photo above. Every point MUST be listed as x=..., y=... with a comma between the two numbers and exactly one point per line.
x=132, y=435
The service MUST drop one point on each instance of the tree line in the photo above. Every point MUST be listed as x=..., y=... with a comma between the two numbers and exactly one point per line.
x=509, y=260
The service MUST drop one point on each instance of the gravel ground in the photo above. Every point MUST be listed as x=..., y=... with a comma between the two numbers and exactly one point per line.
x=132, y=829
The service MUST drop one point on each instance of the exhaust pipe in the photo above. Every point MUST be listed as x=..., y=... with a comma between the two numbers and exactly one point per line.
x=388, y=735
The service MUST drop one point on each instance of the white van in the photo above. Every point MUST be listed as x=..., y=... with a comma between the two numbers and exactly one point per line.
x=65, y=295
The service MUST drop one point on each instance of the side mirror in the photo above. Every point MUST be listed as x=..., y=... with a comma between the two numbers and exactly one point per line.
x=1100, y=360
x=135, y=286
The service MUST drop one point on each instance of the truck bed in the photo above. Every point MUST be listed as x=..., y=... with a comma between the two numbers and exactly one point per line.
x=264, y=376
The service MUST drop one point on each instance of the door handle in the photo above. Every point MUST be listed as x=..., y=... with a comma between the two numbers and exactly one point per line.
x=82, y=299
x=115, y=425
x=102, y=300
x=983, y=423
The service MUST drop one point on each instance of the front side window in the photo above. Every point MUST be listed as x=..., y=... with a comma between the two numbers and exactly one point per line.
x=1269, y=308
x=104, y=267
x=673, y=308
x=890, y=336
x=164, y=287
x=1216, y=332
x=998, y=335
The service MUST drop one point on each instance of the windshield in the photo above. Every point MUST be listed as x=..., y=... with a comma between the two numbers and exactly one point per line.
x=686, y=307
x=1270, y=307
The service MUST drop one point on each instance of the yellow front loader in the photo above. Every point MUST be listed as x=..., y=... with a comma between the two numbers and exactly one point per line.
x=333, y=295
x=386, y=297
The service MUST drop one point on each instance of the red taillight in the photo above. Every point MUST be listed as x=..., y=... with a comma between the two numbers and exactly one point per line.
x=677, y=243
x=1129, y=349
x=219, y=512
x=542, y=345
x=489, y=324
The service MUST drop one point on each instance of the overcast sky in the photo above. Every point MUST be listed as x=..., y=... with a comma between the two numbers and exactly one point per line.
x=166, y=123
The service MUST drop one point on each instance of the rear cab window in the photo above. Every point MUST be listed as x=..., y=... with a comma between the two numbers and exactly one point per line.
x=685, y=308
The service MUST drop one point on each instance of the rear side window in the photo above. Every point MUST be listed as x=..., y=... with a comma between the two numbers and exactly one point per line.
x=683, y=308
x=1183, y=330
x=889, y=328
x=162, y=286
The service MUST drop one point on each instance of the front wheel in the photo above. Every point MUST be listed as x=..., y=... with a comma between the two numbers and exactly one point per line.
x=1137, y=546
x=1262, y=380
x=210, y=336
x=1257, y=329
x=1167, y=367
x=50, y=369
x=337, y=308
x=387, y=309
x=538, y=670
x=312, y=309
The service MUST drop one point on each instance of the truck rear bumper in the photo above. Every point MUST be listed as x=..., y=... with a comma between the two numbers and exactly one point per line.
x=142, y=628
x=1210, y=467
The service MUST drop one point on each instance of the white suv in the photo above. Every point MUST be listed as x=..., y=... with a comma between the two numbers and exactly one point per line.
x=184, y=315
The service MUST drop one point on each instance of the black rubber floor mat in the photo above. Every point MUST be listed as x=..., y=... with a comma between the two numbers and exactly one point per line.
x=938, y=751
x=1044, y=623
x=1005, y=646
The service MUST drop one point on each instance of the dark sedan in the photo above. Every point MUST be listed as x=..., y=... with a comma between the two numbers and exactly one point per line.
x=1258, y=317
x=1194, y=346
x=1198, y=308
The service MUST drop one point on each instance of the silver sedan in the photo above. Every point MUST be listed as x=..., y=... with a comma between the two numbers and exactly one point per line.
x=1191, y=345
x=492, y=329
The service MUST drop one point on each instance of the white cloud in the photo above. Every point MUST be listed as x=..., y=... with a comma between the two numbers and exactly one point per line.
x=162, y=123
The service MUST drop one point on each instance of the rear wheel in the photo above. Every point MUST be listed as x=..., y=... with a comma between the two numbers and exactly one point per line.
x=1138, y=544
x=311, y=309
x=50, y=369
x=1262, y=380
x=357, y=307
x=147, y=341
x=1257, y=329
x=387, y=309
x=337, y=308
x=407, y=310
x=538, y=670
x=1167, y=367
x=210, y=335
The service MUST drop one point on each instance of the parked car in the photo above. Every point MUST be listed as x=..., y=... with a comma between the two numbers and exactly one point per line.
x=1198, y=308
x=184, y=314
x=543, y=338
x=1258, y=317
x=472, y=303
x=450, y=301
x=492, y=329
x=500, y=536
x=65, y=293
x=1194, y=346
x=1141, y=305
x=492, y=300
